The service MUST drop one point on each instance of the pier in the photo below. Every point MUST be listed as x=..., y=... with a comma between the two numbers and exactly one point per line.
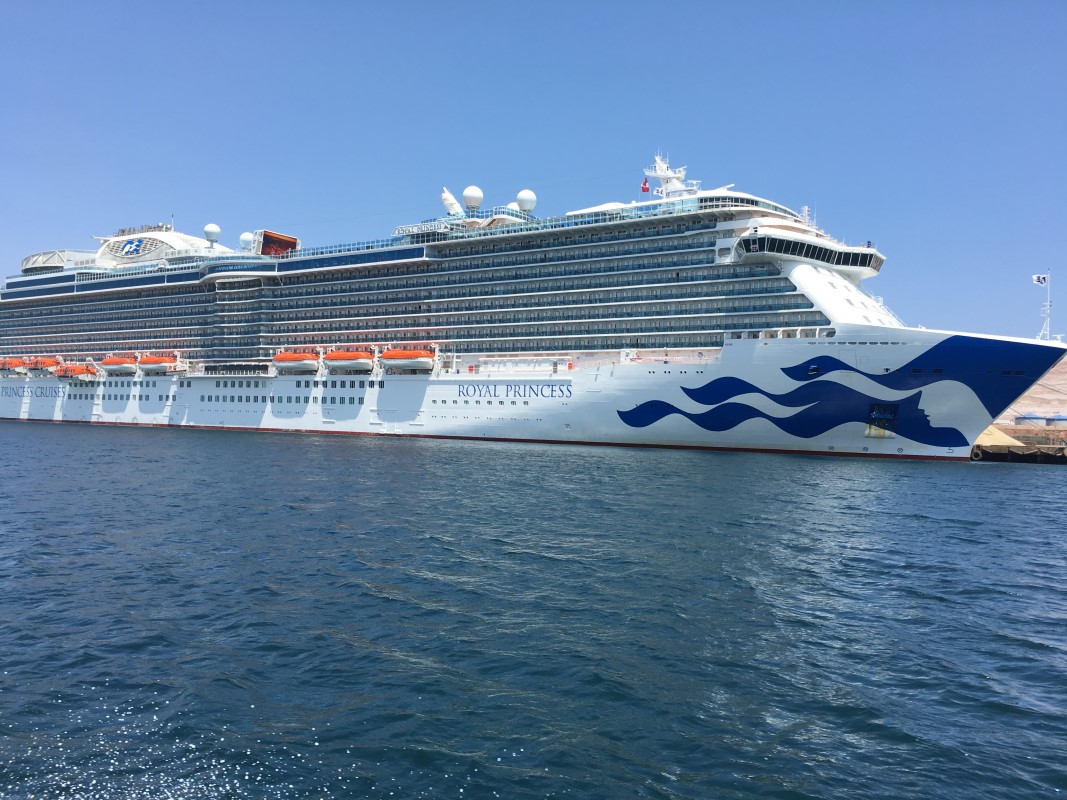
x=1019, y=454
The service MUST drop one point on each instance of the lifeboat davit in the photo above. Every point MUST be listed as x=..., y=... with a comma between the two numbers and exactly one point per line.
x=358, y=360
x=82, y=372
x=296, y=362
x=42, y=365
x=407, y=359
x=158, y=363
x=119, y=365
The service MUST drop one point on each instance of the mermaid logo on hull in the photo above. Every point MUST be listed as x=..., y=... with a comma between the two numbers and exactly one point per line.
x=979, y=364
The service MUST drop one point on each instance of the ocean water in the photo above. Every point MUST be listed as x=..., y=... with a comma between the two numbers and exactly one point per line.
x=189, y=614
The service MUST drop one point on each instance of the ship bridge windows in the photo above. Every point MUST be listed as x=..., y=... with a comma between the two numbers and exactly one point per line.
x=806, y=250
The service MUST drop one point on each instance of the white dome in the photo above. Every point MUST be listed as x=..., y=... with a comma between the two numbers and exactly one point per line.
x=246, y=240
x=212, y=232
x=472, y=197
x=526, y=200
x=513, y=206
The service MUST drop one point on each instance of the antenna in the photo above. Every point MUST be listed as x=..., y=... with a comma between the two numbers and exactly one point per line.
x=1046, y=308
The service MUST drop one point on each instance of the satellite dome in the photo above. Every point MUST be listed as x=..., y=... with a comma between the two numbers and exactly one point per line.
x=212, y=232
x=246, y=240
x=526, y=200
x=513, y=206
x=472, y=197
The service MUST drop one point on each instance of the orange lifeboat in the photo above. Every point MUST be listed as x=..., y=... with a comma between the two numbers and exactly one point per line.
x=157, y=363
x=119, y=365
x=11, y=365
x=81, y=371
x=358, y=360
x=42, y=365
x=408, y=359
x=296, y=362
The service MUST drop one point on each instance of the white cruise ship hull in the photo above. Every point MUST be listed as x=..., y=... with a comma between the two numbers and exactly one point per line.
x=866, y=392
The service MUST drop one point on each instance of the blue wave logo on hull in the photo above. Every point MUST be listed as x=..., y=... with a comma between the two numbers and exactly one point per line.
x=828, y=405
x=996, y=371
x=980, y=364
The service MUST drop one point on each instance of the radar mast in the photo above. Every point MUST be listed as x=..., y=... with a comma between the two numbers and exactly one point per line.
x=672, y=182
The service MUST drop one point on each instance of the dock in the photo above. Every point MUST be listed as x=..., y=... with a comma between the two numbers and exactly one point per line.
x=1019, y=453
x=1034, y=429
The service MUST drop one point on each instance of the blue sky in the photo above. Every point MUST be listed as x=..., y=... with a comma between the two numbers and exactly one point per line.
x=935, y=129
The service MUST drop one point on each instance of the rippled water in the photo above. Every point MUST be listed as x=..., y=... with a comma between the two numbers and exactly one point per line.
x=189, y=614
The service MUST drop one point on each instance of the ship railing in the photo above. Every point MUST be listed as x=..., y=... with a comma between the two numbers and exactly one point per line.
x=670, y=208
x=351, y=247
x=688, y=205
x=112, y=273
x=190, y=260
x=189, y=257
x=38, y=272
x=887, y=309
x=495, y=211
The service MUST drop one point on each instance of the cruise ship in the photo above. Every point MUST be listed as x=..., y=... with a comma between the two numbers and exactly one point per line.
x=693, y=318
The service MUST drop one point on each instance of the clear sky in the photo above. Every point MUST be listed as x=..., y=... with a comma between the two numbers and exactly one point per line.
x=938, y=130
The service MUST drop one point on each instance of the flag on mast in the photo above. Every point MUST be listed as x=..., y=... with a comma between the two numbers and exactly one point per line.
x=1041, y=280
x=644, y=186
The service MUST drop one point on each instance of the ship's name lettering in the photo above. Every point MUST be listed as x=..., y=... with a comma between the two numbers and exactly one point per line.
x=422, y=227
x=33, y=391
x=560, y=391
